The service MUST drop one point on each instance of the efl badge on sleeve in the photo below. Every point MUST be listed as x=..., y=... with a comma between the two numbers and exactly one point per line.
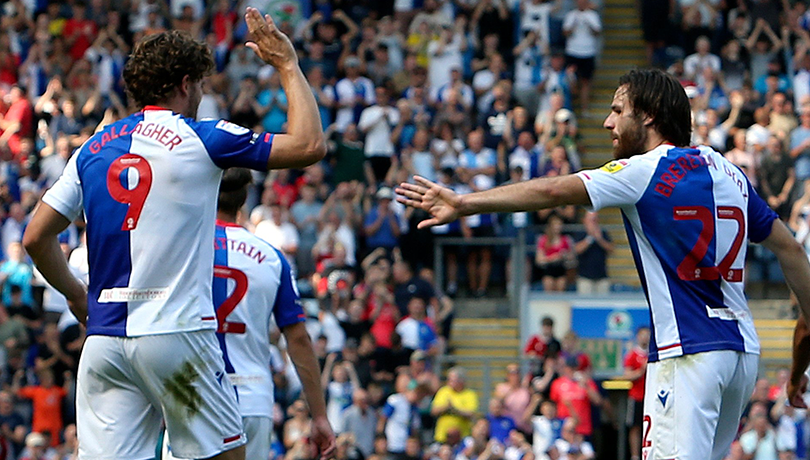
x=615, y=166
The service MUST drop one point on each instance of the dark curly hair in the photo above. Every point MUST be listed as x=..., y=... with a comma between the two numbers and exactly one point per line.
x=160, y=61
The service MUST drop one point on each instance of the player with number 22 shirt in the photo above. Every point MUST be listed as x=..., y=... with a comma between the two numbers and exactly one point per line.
x=689, y=215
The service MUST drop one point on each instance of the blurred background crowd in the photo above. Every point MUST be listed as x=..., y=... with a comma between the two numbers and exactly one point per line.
x=471, y=94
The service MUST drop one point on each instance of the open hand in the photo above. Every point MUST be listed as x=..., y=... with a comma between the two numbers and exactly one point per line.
x=269, y=43
x=443, y=204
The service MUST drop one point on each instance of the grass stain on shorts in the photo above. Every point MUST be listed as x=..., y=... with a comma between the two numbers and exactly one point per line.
x=180, y=386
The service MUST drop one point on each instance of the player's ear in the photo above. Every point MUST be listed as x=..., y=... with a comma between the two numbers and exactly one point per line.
x=184, y=88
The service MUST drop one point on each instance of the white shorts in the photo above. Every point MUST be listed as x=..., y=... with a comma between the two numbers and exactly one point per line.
x=127, y=386
x=258, y=431
x=693, y=404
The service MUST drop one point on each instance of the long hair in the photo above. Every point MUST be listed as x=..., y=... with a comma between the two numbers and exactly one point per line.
x=660, y=96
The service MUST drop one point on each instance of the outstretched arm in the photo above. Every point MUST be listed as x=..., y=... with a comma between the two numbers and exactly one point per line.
x=445, y=206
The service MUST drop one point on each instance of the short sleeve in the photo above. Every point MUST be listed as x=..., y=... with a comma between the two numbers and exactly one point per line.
x=231, y=145
x=617, y=183
x=287, y=309
x=441, y=398
x=387, y=409
x=760, y=217
x=65, y=196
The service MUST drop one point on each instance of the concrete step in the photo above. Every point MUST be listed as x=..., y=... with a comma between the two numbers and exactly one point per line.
x=476, y=341
x=487, y=353
x=488, y=323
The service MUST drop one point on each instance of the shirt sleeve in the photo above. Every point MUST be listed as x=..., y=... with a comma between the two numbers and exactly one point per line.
x=440, y=399
x=617, y=183
x=760, y=217
x=287, y=309
x=387, y=409
x=66, y=194
x=231, y=145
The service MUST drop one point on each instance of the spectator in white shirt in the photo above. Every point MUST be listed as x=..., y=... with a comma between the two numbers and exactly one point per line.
x=571, y=445
x=444, y=54
x=377, y=122
x=694, y=64
x=279, y=232
x=582, y=27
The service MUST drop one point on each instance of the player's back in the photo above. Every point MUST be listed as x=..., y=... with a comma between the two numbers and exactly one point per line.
x=689, y=233
x=148, y=185
x=252, y=284
x=689, y=214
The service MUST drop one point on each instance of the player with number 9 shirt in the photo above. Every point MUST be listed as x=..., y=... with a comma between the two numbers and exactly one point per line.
x=147, y=185
x=689, y=215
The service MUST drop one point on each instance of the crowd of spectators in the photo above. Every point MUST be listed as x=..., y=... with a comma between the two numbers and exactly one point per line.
x=471, y=94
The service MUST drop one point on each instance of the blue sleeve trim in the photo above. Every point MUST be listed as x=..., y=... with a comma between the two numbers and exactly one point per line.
x=287, y=309
x=231, y=145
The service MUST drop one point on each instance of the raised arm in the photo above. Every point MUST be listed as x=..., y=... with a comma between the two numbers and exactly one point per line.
x=303, y=144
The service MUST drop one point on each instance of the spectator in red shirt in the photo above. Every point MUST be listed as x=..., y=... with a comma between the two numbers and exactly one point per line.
x=635, y=369
x=79, y=31
x=574, y=392
x=18, y=122
x=47, y=401
x=543, y=345
x=555, y=251
x=9, y=63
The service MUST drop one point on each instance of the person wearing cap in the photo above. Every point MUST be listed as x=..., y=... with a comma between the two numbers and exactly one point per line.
x=575, y=394
x=382, y=224
x=36, y=446
x=354, y=93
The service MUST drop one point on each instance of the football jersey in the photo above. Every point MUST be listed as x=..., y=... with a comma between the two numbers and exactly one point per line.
x=689, y=214
x=253, y=286
x=148, y=186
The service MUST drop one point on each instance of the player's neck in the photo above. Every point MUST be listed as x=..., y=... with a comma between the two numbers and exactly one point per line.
x=226, y=217
x=654, y=139
x=176, y=104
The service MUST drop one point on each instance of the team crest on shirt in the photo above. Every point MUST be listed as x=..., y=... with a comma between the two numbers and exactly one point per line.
x=615, y=166
x=231, y=128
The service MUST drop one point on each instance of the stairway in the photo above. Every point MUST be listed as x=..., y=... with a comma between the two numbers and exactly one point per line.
x=776, y=340
x=483, y=347
x=623, y=50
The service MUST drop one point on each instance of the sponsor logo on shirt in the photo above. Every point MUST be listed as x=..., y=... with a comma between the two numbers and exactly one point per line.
x=615, y=166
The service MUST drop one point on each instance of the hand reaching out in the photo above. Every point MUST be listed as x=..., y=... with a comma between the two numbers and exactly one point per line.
x=443, y=204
